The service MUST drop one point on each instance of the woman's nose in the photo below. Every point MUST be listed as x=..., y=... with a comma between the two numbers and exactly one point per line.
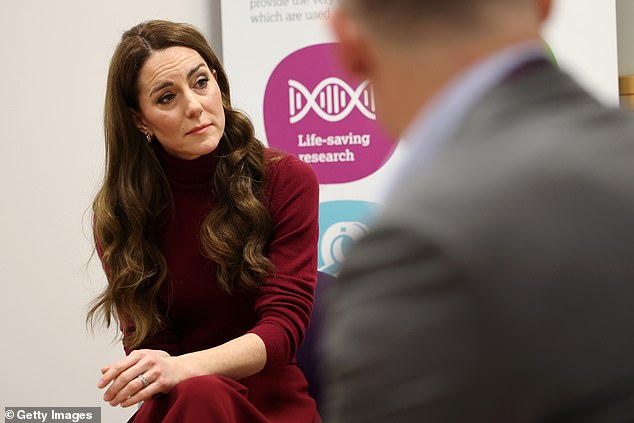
x=193, y=107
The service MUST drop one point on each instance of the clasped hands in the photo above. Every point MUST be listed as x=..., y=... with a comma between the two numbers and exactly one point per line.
x=139, y=376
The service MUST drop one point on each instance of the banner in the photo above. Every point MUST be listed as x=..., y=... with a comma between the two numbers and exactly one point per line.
x=282, y=65
x=280, y=59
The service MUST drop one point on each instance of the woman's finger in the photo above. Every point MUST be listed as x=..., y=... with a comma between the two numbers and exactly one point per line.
x=144, y=394
x=129, y=382
x=116, y=368
x=132, y=388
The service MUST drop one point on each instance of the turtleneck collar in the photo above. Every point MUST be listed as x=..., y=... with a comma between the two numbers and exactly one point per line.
x=194, y=173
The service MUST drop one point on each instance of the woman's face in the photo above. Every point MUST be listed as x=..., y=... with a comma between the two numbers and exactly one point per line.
x=180, y=103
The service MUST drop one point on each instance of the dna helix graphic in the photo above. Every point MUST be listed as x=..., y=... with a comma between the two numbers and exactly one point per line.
x=332, y=99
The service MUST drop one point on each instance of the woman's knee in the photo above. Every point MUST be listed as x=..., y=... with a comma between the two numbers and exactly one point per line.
x=205, y=387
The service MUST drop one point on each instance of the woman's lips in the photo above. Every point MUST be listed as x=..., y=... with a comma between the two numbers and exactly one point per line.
x=199, y=129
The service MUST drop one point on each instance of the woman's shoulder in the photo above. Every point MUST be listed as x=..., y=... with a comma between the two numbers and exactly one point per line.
x=285, y=166
x=288, y=178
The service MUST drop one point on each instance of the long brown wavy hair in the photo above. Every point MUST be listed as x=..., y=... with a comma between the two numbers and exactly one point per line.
x=135, y=196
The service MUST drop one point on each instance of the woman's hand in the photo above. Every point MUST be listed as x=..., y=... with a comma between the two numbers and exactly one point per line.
x=235, y=359
x=160, y=373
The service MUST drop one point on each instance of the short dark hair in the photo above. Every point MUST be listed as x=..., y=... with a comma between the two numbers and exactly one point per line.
x=405, y=15
x=413, y=8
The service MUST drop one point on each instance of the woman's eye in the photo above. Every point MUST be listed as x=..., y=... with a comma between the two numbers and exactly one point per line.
x=202, y=82
x=166, y=98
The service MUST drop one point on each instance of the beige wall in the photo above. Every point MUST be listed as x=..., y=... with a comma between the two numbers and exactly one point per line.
x=625, y=30
x=52, y=79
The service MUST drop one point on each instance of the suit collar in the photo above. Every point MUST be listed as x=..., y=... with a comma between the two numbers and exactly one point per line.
x=437, y=124
x=537, y=87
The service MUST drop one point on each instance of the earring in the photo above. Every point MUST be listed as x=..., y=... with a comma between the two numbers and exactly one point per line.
x=148, y=137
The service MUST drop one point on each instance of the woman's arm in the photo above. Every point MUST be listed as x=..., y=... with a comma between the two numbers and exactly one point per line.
x=285, y=301
x=164, y=339
x=236, y=359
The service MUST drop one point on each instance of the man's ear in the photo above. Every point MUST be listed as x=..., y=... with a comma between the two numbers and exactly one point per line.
x=139, y=122
x=353, y=44
x=544, y=7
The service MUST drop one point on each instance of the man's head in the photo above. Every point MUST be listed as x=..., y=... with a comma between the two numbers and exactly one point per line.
x=410, y=49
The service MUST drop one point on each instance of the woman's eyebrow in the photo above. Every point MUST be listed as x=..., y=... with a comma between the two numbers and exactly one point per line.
x=194, y=70
x=167, y=84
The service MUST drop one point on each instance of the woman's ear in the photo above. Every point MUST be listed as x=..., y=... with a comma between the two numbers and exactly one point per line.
x=139, y=122
x=215, y=74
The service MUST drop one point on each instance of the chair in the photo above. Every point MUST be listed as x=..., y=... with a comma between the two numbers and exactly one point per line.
x=308, y=354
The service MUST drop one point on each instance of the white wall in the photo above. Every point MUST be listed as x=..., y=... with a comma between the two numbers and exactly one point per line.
x=52, y=77
x=582, y=34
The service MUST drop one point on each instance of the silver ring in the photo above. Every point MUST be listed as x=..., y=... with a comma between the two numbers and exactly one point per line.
x=143, y=380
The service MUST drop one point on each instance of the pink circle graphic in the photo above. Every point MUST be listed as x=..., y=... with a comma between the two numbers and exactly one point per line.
x=316, y=111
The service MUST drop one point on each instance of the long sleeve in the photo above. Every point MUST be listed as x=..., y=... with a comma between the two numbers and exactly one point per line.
x=284, y=302
x=164, y=340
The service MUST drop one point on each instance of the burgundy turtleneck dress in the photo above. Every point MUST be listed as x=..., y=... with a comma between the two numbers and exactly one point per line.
x=201, y=315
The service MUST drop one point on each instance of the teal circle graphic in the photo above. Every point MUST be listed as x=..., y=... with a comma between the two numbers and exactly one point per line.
x=341, y=224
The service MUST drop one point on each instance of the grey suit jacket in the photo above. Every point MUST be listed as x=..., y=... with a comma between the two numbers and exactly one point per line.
x=498, y=284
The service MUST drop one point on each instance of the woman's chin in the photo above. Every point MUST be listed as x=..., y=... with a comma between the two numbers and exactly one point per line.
x=208, y=147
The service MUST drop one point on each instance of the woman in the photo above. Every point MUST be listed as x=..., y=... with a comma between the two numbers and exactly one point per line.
x=208, y=241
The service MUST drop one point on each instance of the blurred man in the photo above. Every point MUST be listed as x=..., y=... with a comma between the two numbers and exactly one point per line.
x=498, y=283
